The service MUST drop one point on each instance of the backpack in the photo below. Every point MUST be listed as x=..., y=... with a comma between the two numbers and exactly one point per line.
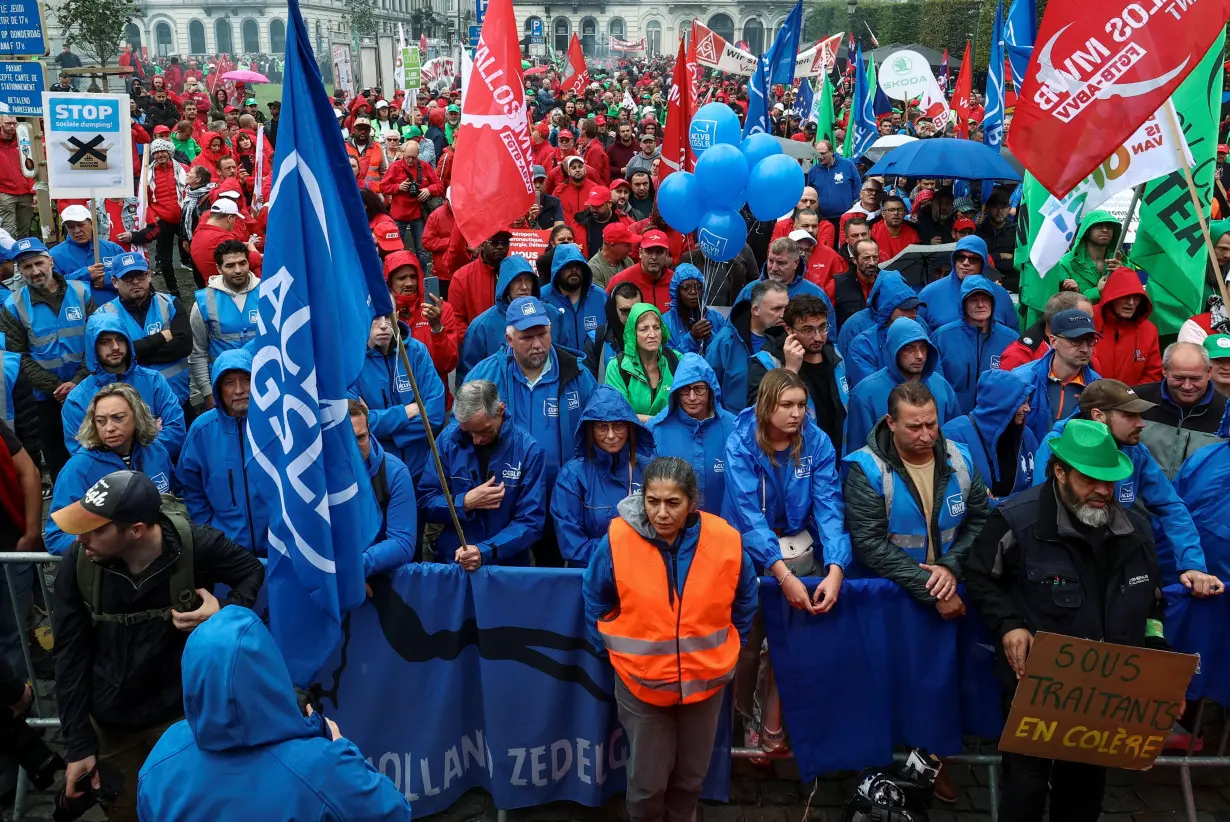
x=182, y=578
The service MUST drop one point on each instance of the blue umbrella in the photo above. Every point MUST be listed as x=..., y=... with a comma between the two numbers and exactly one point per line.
x=945, y=157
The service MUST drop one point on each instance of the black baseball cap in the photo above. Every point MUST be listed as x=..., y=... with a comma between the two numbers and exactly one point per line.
x=1073, y=324
x=121, y=496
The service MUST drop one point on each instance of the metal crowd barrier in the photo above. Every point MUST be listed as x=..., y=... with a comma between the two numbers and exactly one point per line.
x=1186, y=763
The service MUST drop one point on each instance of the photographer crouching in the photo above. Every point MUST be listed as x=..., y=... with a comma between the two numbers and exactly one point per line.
x=138, y=580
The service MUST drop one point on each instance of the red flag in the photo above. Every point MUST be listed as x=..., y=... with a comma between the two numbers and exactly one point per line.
x=960, y=96
x=423, y=48
x=676, y=152
x=575, y=75
x=492, y=183
x=1098, y=71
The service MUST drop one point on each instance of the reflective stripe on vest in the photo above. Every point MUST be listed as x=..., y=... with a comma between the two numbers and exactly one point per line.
x=906, y=530
x=57, y=341
x=12, y=370
x=229, y=327
x=157, y=318
x=674, y=649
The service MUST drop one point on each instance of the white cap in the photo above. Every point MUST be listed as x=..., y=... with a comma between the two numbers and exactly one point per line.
x=778, y=107
x=230, y=194
x=382, y=104
x=75, y=214
x=568, y=160
x=800, y=235
x=224, y=206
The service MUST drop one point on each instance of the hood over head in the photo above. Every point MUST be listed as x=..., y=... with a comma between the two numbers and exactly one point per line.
x=435, y=117
x=1123, y=282
x=1000, y=394
x=571, y=253
x=237, y=689
x=890, y=291
x=902, y=333
x=606, y=404
x=973, y=283
x=512, y=267
x=684, y=271
x=693, y=368
x=98, y=324
x=639, y=310
x=1089, y=221
x=972, y=244
x=236, y=359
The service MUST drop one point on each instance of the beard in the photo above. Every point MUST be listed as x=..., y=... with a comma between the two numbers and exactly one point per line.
x=1087, y=515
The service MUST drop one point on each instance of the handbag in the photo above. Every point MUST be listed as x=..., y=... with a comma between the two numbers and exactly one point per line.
x=799, y=549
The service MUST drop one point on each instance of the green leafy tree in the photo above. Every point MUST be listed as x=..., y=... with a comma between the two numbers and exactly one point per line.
x=96, y=27
x=361, y=17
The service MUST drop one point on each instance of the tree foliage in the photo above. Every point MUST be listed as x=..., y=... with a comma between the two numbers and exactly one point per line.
x=361, y=17
x=95, y=27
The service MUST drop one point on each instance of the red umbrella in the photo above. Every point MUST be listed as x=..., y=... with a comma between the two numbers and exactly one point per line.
x=245, y=76
x=536, y=70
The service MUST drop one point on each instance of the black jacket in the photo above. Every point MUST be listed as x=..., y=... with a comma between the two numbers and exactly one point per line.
x=129, y=676
x=831, y=417
x=1031, y=568
x=1172, y=434
x=161, y=114
x=848, y=297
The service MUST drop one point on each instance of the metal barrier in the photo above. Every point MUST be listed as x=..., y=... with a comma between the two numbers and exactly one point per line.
x=991, y=762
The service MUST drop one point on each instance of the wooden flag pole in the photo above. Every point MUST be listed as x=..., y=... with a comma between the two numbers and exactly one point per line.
x=1172, y=125
x=94, y=223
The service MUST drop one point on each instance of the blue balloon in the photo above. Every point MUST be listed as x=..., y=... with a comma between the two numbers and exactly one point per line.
x=774, y=187
x=722, y=234
x=679, y=202
x=713, y=124
x=721, y=175
x=758, y=146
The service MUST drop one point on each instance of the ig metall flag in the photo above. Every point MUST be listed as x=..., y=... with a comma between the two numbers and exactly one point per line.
x=322, y=286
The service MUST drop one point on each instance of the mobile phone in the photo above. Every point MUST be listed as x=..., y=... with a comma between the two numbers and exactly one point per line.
x=432, y=286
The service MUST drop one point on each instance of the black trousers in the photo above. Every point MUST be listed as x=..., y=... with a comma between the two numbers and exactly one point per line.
x=164, y=244
x=51, y=429
x=1075, y=790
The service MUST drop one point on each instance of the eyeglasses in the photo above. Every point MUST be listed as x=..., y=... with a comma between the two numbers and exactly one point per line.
x=695, y=390
x=894, y=210
x=968, y=258
x=812, y=330
x=608, y=428
x=691, y=285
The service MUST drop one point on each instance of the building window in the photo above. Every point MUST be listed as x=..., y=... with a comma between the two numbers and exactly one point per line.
x=723, y=27
x=222, y=37
x=196, y=37
x=617, y=27
x=589, y=36
x=163, y=40
x=132, y=35
x=251, y=37
x=753, y=35
x=653, y=38
x=277, y=36
x=563, y=30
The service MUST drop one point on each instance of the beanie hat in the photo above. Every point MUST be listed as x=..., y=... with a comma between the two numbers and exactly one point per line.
x=161, y=145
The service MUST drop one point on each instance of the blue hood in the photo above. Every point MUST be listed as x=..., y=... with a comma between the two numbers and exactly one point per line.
x=98, y=324
x=973, y=243
x=693, y=368
x=890, y=290
x=902, y=333
x=1000, y=394
x=513, y=266
x=977, y=282
x=236, y=359
x=237, y=690
x=684, y=271
x=571, y=253
x=608, y=405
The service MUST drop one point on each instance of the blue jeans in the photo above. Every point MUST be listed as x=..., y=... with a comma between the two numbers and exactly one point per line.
x=415, y=242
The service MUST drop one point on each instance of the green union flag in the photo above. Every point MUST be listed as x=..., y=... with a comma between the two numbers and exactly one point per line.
x=1169, y=244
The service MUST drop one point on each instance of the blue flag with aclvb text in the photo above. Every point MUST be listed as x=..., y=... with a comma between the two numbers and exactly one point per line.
x=322, y=285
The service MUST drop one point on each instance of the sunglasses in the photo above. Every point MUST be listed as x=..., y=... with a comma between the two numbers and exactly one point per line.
x=968, y=258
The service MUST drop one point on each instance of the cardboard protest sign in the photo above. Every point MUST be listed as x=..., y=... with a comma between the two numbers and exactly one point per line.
x=1095, y=702
x=528, y=242
x=89, y=145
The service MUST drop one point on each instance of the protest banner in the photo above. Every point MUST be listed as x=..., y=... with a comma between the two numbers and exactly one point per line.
x=576, y=75
x=1096, y=702
x=906, y=75
x=528, y=242
x=1170, y=244
x=342, y=76
x=89, y=145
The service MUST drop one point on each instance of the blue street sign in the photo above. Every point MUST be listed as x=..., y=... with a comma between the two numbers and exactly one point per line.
x=474, y=32
x=21, y=29
x=21, y=87
x=536, y=27
x=480, y=10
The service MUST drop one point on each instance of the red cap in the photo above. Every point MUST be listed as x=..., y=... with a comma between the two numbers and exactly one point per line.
x=229, y=109
x=619, y=233
x=653, y=238
x=161, y=130
x=963, y=224
x=1223, y=149
x=620, y=182
x=397, y=259
x=544, y=130
x=599, y=196
x=388, y=238
x=564, y=133
x=600, y=120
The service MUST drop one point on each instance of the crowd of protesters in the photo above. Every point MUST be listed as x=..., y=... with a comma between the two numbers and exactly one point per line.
x=800, y=411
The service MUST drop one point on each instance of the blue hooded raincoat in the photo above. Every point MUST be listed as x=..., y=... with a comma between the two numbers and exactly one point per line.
x=1001, y=393
x=942, y=298
x=150, y=384
x=869, y=399
x=577, y=321
x=485, y=335
x=700, y=443
x=966, y=352
x=1203, y=483
x=590, y=486
x=1037, y=374
x=867, y=352
x=245, y=752
x=681, y=338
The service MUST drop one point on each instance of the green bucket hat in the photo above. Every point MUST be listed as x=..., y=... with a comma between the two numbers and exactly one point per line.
x=1218, y=346
x=1089, y=447
x=411, y=132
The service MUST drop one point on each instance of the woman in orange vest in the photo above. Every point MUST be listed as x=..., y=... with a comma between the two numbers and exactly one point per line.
x=670, y=596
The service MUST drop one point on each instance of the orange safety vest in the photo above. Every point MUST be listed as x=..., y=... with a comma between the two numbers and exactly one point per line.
x=674, y=649
x=369, y=164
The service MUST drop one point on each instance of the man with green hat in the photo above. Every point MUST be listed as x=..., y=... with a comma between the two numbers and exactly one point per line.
x=452, y=120
x=1218, y=348
x=251, y=106
x=1065, y=557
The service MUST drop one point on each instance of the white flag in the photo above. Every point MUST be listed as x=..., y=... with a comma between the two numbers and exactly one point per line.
x=1146, y=155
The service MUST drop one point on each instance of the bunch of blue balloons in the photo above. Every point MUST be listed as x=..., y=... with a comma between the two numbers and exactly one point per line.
x=729, y=173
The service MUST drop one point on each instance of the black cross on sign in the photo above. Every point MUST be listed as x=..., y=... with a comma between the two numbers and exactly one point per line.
x=84, y=149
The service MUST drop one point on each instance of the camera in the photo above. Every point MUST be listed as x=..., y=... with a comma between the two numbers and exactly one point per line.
x=901, y=793
x=413, y=190
x=111, y=782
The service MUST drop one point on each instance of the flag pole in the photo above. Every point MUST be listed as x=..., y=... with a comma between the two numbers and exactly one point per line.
x=431, y=437
x=1172, y=125
x=1131, y=211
